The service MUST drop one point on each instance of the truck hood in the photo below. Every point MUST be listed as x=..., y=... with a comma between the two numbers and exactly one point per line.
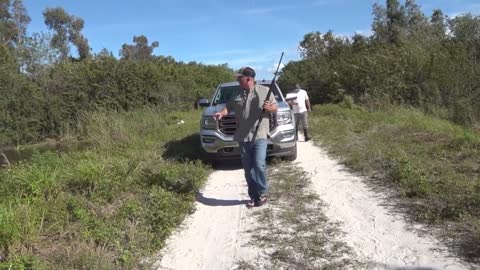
x=213, y=109
x=282, y=106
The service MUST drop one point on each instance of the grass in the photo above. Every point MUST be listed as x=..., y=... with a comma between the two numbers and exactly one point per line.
x=432, y=164
x=293, y=230
x=106, y=206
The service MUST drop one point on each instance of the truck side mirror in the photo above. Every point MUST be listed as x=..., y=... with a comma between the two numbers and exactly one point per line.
x=204, y=102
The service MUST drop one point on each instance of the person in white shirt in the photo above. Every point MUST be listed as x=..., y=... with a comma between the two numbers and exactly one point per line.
x=301, y=107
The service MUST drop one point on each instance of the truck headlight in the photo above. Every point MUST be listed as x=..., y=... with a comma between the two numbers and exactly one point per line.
x=284, y=118
x=209, y=122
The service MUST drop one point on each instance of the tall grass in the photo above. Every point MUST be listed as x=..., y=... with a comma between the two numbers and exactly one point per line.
x=106, y=206
x=432, y=163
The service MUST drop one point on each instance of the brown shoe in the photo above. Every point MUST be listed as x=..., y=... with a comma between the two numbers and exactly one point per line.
x=262, y=201
x=250, y=204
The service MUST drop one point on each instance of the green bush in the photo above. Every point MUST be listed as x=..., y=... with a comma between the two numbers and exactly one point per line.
x=52, y=105
x=107, y=205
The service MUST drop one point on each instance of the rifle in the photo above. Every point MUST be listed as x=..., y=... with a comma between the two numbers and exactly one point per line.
x=267, y=98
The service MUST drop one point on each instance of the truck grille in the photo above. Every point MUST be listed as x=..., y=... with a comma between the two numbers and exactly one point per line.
x=227, y=124
x=272, y=121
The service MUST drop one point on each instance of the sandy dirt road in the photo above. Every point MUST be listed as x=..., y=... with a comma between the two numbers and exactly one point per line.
x=215, y=236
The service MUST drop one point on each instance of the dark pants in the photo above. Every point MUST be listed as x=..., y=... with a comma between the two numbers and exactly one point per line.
x=255, y=167
x=302, y=118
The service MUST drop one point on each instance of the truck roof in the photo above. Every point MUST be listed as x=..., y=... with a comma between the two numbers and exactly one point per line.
x=263, y=82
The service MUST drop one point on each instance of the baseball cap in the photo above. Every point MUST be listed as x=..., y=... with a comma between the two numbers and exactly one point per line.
x=245, y=71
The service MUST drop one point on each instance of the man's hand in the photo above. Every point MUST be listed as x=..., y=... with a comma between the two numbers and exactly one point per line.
x=218, y=115
x=269, y=106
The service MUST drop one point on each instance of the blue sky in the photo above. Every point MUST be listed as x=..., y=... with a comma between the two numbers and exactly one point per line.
x=239, y=33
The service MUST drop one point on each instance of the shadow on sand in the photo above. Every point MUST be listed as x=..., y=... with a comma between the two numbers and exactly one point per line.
x=216, y=202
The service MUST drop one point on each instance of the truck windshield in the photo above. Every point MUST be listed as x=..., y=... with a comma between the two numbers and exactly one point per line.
x=227, y=93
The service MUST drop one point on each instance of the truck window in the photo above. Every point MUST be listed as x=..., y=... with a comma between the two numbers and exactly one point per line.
x=224, y=94
x=275, y=91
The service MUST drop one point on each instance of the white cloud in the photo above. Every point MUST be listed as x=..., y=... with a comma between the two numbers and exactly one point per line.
x=455, y=14
x=266, y=10
x=273, y=67
x=470, y=8
x=364, y=32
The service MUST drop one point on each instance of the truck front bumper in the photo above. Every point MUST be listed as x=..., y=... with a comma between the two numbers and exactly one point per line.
x=217, y=145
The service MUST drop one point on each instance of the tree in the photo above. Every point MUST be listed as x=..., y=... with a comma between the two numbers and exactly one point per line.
x=20, y=20
x=39, y=55
x=77, y=38
x=67, y=30
x=465, y=28
x=57, y=19
x=7, y=29
x=390, y=23
x=20, y=104
x=379, y=25
x=416, y=20
x=437, y=23
x=140, y=50
x=104, y=53
x=396, y=21
x=465, y=31
x=312, y=45
x=359, y=42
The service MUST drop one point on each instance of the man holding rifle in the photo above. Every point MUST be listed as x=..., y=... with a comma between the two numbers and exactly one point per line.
x=250, y=105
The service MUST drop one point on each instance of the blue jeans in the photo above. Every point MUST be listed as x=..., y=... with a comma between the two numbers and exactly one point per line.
x=255, y=166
